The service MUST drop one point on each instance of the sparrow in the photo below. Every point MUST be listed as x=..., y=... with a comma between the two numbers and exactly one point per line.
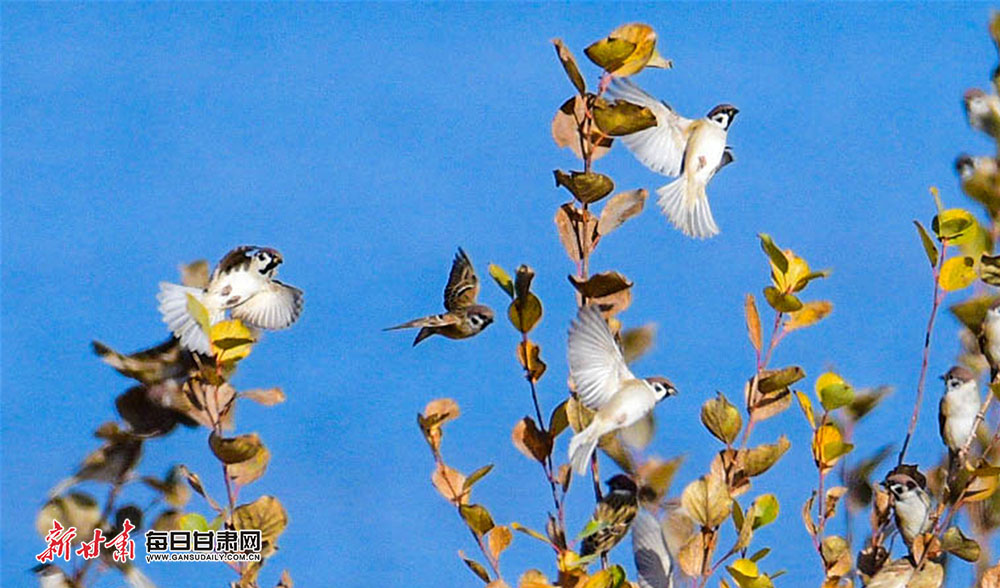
x=980, y=179
x=604, y=384
x=164, y=362
x=690, y=150
x=465, y=317
x=612, y=517
x=982, y=111
x=989, y=338
x=243, y=284
x=911, y=503
x=51, y=576
x=652, y=555
x=958, y=410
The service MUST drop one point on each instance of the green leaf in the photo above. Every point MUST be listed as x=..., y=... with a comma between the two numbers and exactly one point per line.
x=835, y=449
x=833, y=391
x=476, y=567
x=586, y=187
x=955, y=542
x=502, y=278
x=235, y=449
x=776, y=255
x=477, y=518
x=192, y=522
x=620, y=118
x=525, y=312
x=197, y=310
x=760, y=554
x=476, y=476
x=765, y=510
x=781, y=302
x=929, y=247
x=569, y=65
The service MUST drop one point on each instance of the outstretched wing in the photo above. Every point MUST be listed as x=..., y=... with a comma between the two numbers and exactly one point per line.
x=435, y=320
x=660, y=148
x=463, y=284
x=596, y=363
x=652, y=558
x=276, y=306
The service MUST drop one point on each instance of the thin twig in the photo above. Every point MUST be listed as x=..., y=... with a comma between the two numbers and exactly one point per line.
x=938, y=297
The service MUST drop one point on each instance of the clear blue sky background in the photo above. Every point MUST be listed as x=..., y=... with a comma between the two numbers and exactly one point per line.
x=366, y=142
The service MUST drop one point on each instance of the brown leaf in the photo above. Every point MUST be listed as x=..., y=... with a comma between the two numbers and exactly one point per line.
x=145, y=417
x=833, y=495
x=707, y=501
x=530, y=441
x=578, y=415
x=621, y=117
x=637, y=341
x=610, y=291
x=195, y=274
x=836, y=554
x=691, y=557
x=721, y=418
x=577, y=231
x=566, y=129
x=620, y=208
x=476, y=567
x=991, y=578
x=528, y=354
x=761, y=458
x=500, y=537
x=265, y=396
x=265, y=514
x=285, y=581
x=436, y=413
x=810, y=313
x=655, y=477
x=569, y=64
x=450, y=483
x=250, y=470
x=235, y=449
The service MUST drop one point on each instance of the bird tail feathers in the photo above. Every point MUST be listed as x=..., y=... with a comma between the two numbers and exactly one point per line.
x=582, y=446
x=685, y=203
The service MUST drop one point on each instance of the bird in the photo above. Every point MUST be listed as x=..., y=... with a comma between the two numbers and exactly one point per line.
x=957, y=411
x=51, y=576
x=690, y=150
x=651, y=552
x=982, y=111
x=604, y=383
x=612, y=517
x=980, y=179
x=989, y=338
x=243, y=284
x=911, y=503
x=152, y=366
x=465, y=317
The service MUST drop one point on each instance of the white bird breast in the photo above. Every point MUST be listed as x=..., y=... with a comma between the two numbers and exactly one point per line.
x=243, y=284
x=709, y=145
x=633, y=400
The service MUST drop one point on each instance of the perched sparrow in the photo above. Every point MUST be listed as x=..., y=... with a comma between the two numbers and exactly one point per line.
x=982, y=110
x=690, y=150
x=166, y=361
x=465, y=318
x=980, y=179
x=989, y=338
x=958, y=409
x=243, y=283
x=604, y=383
x=652, y=555
x=51, y=576
x=612, y=516
x=910, y=501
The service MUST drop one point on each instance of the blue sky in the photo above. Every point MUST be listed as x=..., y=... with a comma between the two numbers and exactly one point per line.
x=367, y=142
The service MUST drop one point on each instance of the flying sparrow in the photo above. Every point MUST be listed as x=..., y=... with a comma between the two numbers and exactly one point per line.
x=690, y=150
x=604, y=383
x=612, y=517
x=911, y=503
x=980, y=178
x=957, y=410
x=166, y=361
x=243, y=283
x=51, y=576
x=652, y=555
x=982, y=111
x=465, y=317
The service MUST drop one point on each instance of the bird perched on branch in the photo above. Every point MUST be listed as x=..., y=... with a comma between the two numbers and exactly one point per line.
x=690, y=150
x=612, y=517
x=957, y=411
x=911, y=504
x=982, y=111
x=604, y=383
x=465, y=317
x=243, y=284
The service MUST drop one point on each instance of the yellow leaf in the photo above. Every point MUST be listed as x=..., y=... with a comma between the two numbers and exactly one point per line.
x=197, y=310
x=807, y=409
x=753, y=322
x=957, y=273
x=231, y=340
x=954, y=225
x=627, y=50
x=810, y=314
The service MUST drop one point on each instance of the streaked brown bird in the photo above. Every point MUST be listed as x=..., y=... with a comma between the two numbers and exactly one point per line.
x=166, y=361
x=612, y=517
x=465, y=317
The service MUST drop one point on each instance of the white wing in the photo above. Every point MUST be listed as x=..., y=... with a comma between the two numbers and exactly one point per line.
x=595, y=362
x=660, y=148
x=276, y=306
x=652, y=559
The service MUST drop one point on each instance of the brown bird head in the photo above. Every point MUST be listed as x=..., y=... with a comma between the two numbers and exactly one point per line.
x=964, y=166
x=723, y=115
x=957, y=376
x=480, y=316
x=903, y=480
x=661, y=387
